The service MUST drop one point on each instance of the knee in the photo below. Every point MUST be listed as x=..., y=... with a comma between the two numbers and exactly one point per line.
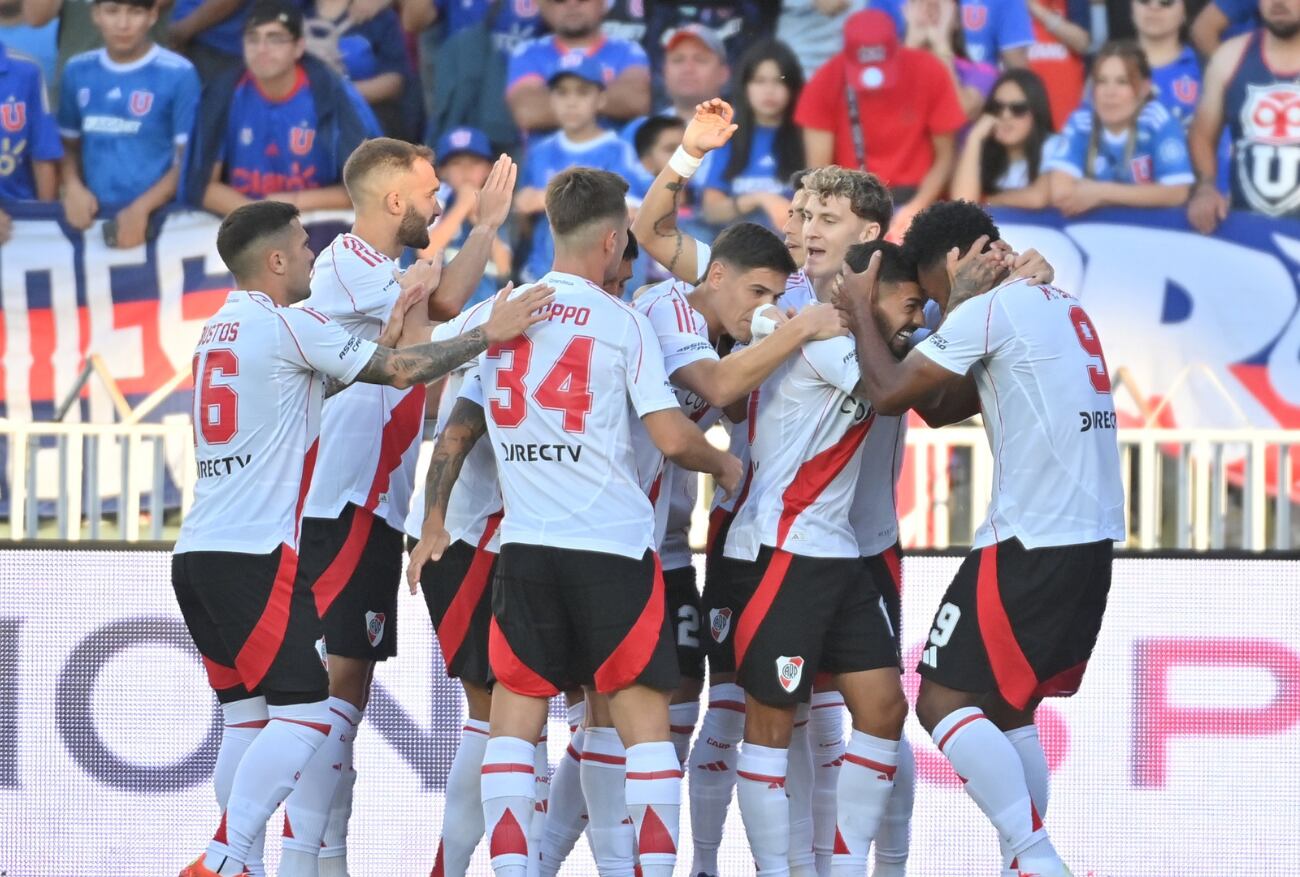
x=885, y=715
x=768, y=726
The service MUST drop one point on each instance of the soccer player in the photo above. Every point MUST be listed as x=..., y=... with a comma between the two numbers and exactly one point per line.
x=578, y=596
x=1022, y=615
x=370, y=438
x=126, y=113
x=258, y=375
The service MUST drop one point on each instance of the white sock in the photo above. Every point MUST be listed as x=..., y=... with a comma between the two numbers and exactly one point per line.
x=508, y=788
x=760, y=788
x=894, y=837
x=995, y=780
x=242, y=721
x=566, y=812
x=255, y=866
x=866, y=781
x=681, y=722
x=826, y=733
x=712, y=767
x=541, y=798
x=1037, y=779
x=609, y=827
x=799, y=789
x=333, y=859
x=462, y=815
x=654, y=801
x=307, y=809
x=265, y=776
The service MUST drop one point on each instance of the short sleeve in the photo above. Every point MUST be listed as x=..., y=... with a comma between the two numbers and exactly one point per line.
x=1067, y=151
x=834, y=361
x=1173, y=165
x=322, y=345
x=471, y=387
x=185, y=106
x=822, y=100
x=69, y=110
x=467, y=319
x=647, y=382
x=46, y=145
x=1015, y=29
x=966, y=336
x=362, y=288
x=673, y=321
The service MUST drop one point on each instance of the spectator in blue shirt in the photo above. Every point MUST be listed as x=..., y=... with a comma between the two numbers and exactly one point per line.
x=464, y=161
x=1126, y=150
x=577, y=98
x=576, y=35
x=284, y=128
x=749, y=175
x=41, y=44
x=126, y=113
x=655, y=141
x=1220, y=19
x=29, y=138
x=1175, y=69
x=994, y=29
x=372, y=56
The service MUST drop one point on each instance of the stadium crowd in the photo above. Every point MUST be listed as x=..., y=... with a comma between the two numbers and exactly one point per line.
x=118, y=108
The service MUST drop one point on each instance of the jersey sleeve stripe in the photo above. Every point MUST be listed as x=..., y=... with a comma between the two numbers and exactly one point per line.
x=287, y=328
x=317, y=314
x=334, y=263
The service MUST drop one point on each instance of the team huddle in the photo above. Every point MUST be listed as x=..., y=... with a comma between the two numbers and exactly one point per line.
x=549, y=538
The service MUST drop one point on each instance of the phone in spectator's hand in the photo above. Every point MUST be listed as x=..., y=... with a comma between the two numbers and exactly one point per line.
x=110, y=233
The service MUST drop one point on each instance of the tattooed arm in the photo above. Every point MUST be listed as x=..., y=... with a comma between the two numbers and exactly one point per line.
x=466, y=424
x=655, y=226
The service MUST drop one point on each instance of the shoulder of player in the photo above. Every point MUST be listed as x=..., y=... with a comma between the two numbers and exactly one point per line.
x=22, y=62
x=817, y=356
x=170, y=60
x=81, y=62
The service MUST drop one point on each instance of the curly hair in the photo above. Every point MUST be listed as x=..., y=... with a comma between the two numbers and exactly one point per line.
x=944, y=225
x=868, y=197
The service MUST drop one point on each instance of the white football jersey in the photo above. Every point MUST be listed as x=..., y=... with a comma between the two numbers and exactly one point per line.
x=684, y=338
x=257, y=405
x=476, y=495
x=874, y=512
x=370, y=434
x=1047, y=410
x=798, y=292
x=805, y=449
x=558, y=416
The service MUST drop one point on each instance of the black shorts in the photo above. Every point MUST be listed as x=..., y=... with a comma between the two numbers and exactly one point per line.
x=457, y=590
x=254, y=623
x=886, y=571
x=354, y=563
x=1019, y=622
x=722, y=602
x=683, y=606
x=806, y=615
x=563, y=618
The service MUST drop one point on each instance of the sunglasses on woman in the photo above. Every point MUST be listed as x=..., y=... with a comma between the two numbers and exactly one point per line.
x=1018, y=108
x=1163, y=4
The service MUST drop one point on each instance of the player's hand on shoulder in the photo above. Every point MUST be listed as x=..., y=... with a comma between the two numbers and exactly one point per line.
x=410, y=313
x=424, y=272
x=711, y=127
x=822, y=320
x=512, y=315
x=495, y=198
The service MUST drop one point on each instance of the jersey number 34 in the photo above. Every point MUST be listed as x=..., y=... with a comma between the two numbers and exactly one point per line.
x=565, y=388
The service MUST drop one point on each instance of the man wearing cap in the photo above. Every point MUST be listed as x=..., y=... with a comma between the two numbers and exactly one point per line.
x=577, y=97
x=280, y=129
x=695, y=68
x=464, y=163
x=126, y=113
x=885, y=108
x=575, y=35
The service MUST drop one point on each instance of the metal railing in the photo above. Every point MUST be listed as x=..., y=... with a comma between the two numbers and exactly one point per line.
x=1188, y=488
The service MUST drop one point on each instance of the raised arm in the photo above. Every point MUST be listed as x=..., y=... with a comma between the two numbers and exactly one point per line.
x=460, y=277
x=466, y=424
x=655, y=225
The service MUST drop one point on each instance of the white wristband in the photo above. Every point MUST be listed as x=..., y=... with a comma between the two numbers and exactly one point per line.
x=761, y=325
x=684, y=164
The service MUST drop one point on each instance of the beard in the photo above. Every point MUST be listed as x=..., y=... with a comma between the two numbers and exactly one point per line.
x=1283, y=30
x=414, y=230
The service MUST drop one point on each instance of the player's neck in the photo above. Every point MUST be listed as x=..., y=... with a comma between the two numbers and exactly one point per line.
x=587, y=266
x=377, y=234
x=823, y=287
x=133, y=54
x=701, y=299
x=269, y=287
x=1162, y=50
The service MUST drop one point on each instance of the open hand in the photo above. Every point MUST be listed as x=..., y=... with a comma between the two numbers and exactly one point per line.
x=822, y=321
x=710, y=128
x=511, y=317
x=854, y=295
x=495, y=197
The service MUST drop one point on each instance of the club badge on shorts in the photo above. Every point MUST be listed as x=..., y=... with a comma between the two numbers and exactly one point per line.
x=375, y=627
x=323, y=652
x=719, y=624
x=789, y=671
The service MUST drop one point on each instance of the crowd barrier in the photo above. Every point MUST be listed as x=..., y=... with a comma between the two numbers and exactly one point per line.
x=1177, y=759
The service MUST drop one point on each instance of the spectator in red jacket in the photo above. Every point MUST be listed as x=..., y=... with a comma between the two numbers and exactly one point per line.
x=887, y=109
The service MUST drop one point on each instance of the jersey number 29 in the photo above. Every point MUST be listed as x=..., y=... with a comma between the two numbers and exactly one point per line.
x=566, y=387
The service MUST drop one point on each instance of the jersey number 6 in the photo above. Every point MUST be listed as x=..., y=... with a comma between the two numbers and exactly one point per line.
x=1091, y=345
x=566, y=387
x=217, y=405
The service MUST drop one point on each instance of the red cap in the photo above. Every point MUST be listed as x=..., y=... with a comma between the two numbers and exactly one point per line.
x=871, y=50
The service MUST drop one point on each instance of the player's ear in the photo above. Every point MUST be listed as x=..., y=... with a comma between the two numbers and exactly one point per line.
x=717, y=274
x=872, y=231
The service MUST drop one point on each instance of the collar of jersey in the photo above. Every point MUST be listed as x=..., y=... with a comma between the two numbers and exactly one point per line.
x=600, y=140
x=550, y=276
x=142, y=61
x=564, y=49
x=299, y=83
x=252, y=294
